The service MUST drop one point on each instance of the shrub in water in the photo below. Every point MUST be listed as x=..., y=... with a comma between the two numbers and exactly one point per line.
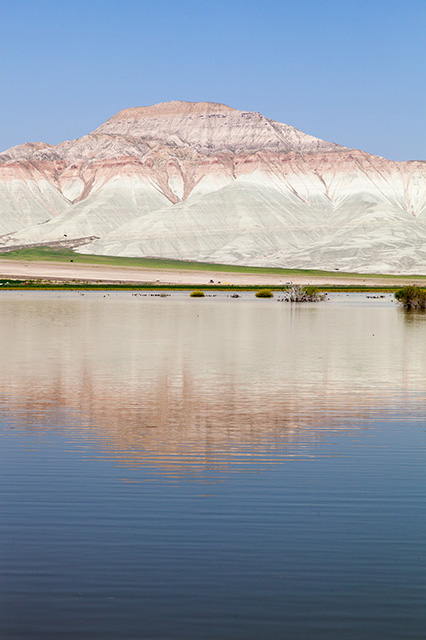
x=297, y=293
x=264, y=293
x=197, y=294
x=411, y=297
x=311, y=292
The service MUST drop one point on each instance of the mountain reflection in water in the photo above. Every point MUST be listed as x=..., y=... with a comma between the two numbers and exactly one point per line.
x=185, y=385
x=181, y=468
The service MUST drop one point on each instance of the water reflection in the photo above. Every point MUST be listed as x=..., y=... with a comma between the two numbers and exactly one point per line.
x=185, y=385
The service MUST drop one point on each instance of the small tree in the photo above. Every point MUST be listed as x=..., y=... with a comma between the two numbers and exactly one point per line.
x=298, y=293
x=411, y=297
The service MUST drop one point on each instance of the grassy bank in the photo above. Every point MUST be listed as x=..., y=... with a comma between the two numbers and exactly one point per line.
x=31, y=285
x=47, y=254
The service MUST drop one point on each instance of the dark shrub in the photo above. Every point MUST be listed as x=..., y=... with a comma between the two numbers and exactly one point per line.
x=411, y=297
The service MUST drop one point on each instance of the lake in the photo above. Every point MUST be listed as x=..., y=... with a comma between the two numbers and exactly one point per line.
x=217, y=468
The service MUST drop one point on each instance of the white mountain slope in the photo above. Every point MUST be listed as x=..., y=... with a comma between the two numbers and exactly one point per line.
x=108, y=207
x=206, y=182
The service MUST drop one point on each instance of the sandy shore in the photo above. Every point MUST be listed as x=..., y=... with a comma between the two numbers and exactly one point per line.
x=61, y=271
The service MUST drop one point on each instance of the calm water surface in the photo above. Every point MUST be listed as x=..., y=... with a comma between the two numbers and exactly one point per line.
x=221, y=469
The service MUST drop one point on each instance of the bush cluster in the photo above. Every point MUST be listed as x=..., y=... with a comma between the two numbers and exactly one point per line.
x=197, y=294
x=298, y=293
x=264, y=293
x=411, y=297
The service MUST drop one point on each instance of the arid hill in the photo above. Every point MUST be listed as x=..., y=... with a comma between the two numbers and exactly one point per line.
x=202, y=181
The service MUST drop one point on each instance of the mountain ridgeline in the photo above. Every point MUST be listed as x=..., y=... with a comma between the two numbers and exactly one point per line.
x=206, y=182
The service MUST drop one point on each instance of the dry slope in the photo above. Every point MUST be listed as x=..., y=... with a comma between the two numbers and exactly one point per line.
x=203, y=181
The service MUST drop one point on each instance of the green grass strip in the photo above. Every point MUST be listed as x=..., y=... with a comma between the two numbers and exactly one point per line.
x=30, y=285
x=47, y=254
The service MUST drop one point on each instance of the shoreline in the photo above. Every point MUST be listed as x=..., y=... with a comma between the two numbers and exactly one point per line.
x=58, y=273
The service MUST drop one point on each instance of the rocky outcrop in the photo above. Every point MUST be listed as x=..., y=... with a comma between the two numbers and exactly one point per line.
x=203, y=181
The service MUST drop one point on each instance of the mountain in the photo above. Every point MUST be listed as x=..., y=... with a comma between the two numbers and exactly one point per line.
x=203, y=181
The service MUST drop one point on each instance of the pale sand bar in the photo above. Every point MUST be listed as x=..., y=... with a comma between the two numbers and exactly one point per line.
x=61, y=271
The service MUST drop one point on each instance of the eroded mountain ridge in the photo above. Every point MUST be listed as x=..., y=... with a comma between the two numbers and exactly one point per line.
x=203, y=181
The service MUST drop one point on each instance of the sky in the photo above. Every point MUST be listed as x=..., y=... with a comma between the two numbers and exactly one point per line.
x=347, y=71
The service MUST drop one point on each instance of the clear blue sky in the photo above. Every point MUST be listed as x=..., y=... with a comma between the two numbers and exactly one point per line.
x=348, y=71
